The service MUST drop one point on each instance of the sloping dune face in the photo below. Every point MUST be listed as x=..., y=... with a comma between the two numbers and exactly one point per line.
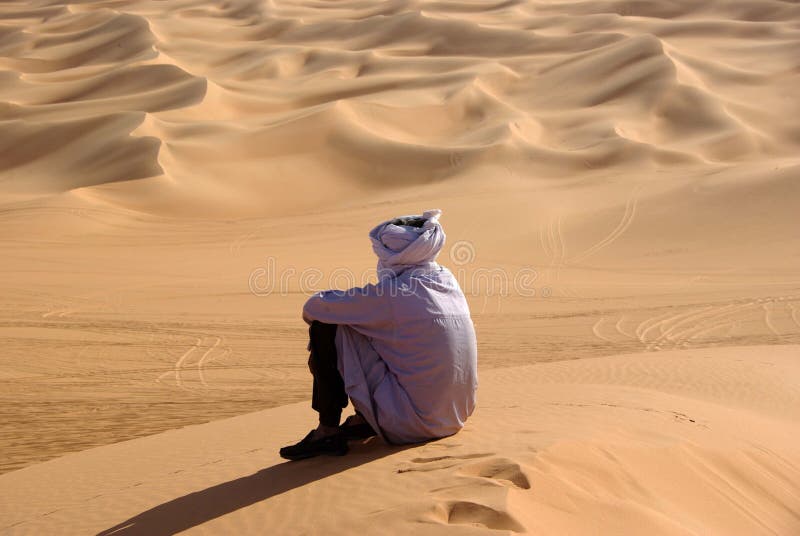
x=374, y=94
x=636, y=160
x=577, y=447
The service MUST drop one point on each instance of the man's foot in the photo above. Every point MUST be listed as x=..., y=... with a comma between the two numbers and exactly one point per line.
x=355, y=427
x=312, y=445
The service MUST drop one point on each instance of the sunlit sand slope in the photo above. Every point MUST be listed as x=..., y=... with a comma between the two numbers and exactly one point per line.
x=258, y=101
x=637, y=159
x=689, y=442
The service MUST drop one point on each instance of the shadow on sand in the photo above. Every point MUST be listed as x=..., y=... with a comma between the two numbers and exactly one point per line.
x=201, y=506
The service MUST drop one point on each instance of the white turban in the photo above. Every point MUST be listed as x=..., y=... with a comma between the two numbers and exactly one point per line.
x=400, y=247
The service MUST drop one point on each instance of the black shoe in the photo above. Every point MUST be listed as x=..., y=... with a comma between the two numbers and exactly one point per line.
x=354, y=432
x=333, y=445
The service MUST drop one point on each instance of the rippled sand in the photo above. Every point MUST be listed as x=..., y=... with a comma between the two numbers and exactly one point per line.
x=615, y=176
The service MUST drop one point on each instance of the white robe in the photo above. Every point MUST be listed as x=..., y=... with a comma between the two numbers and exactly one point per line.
x=406, y=346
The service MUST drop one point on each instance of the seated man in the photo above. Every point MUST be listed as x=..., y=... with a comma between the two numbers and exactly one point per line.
x=402, y=350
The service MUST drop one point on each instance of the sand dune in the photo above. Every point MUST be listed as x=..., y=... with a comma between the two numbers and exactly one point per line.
x=616, y=176
x=665, y=443
x=401, y=91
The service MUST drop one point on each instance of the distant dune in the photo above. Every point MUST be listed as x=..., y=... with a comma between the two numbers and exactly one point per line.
x=354, y=95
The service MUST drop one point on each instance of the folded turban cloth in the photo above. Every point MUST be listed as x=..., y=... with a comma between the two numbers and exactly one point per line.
x=406, y=242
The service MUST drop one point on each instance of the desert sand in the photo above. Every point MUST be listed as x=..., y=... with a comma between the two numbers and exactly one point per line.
x=652, y=443
x=620, y=185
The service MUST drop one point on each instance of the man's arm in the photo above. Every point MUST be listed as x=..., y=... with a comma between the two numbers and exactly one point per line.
x=361, y=306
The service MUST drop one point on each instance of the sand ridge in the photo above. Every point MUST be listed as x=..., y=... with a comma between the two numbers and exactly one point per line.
x=371, y=95
x=603, y=445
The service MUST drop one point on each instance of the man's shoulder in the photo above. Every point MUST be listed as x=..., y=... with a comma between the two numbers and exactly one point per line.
x=437, y=280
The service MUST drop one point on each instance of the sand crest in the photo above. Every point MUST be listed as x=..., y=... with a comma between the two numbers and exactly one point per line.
x=681, y=442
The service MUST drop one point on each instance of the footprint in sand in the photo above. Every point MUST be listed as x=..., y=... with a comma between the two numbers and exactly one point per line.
x=472, y=513
x=502, y=470
x=436, y=463
x=462, y=507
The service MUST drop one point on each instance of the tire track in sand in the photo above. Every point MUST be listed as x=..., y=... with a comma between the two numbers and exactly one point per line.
x=203, y=360
x=623, y=225
x=182, y=363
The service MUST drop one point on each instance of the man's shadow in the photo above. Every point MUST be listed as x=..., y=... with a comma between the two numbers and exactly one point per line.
x=201, y=506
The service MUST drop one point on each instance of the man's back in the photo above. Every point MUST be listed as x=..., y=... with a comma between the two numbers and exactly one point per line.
x=430, y=348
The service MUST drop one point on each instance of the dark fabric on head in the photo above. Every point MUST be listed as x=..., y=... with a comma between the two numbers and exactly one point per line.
x=411, y=221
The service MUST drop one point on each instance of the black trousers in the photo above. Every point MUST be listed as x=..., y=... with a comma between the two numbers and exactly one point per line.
x=329, y=396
